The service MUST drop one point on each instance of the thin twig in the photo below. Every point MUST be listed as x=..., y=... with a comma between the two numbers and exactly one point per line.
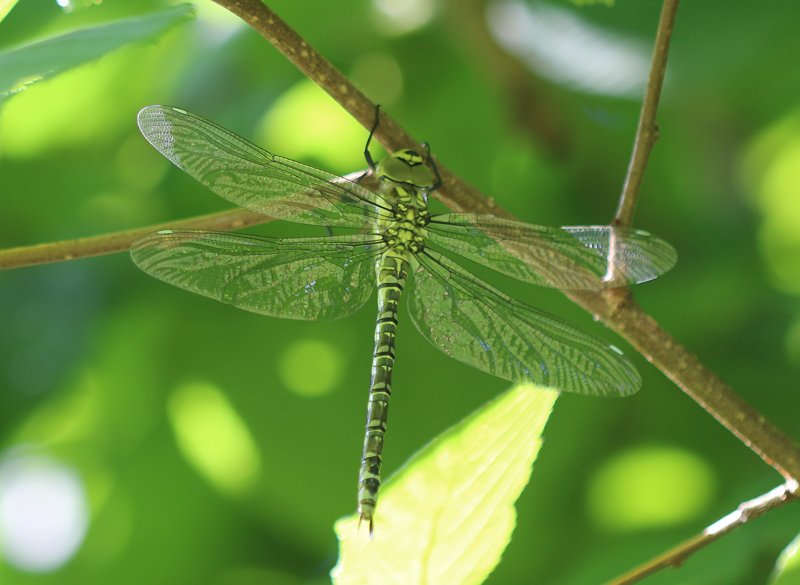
x=120, y=241
x=675, y=557
x=615, y=308
x=647, y=131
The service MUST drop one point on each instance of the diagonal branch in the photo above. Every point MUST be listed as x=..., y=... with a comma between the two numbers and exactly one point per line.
x=454, y=192
x=676, y=556
x=615, y=308
x=120, y=241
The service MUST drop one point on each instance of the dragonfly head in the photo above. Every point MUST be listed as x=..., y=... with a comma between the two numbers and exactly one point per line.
x=406, y=167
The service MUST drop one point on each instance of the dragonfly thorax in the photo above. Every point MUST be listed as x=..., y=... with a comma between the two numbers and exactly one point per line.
x=405, y=232
x=406, y=167
x=404, y=179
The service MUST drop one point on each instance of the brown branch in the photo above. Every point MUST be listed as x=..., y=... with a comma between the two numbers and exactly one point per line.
x=120, y=241
x=615, y=308
x=647, y=131
x=675, y=557
x=455, y=192
x=618, y=312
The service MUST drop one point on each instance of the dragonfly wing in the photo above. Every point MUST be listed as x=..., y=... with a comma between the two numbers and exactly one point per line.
x=323, y=278
x=476, y=324
x=251, y=177
x=567, y=258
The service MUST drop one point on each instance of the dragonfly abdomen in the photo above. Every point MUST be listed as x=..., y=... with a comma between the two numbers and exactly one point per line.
x=392, y=269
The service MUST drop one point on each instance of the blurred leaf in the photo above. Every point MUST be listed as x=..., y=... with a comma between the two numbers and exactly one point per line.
x=449, y=514
x=650, y=486
x=787, y=567
x=38, y=61
x=213, y=437
x=5, y=7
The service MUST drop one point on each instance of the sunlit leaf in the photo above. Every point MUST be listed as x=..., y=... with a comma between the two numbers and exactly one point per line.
x=447, y=516
x=31, y=63
x=787, y=567
x=5, y=7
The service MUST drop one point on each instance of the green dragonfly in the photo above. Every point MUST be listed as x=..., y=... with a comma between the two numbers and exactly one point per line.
x=330, y=277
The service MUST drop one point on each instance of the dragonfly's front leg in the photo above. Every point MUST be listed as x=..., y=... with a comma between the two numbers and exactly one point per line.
x=392, y=269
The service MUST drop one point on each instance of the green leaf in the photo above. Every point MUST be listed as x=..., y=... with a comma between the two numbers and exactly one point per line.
x=787, y=567
x=447, y=516
x=38, y=61
x=5, y=7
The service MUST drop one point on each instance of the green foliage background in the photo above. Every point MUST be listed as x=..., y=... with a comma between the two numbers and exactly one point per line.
x=92, y=350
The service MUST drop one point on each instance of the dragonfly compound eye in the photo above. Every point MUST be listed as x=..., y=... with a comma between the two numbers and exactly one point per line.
x=393, y=233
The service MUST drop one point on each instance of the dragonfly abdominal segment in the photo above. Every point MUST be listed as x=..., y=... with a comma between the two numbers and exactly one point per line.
x=403, y=235
x=330, y=277
x=392, y=275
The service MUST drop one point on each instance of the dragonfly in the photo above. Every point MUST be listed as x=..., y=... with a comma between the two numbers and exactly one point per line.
x=395, y=237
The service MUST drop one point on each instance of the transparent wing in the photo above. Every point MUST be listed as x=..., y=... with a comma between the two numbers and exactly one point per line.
x=323, y=278
x=476, y=324
x=251, y=177
x=568, y=258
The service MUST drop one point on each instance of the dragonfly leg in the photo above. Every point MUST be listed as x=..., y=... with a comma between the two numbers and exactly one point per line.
x=432, y=163
x=367, y=154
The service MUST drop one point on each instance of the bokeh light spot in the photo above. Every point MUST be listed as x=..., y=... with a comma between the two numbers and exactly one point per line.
x=213, y=437
x=780, y=204
x=396, y=17
x=771, y=172
x=379, y=76
x=305, y=123
x=311, y=367
x=650, y=487
x=44, y=512
x=557, y=43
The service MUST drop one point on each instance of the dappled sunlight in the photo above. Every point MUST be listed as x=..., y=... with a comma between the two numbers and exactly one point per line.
x=650, y=487
x=80, y=106
x=44, y=513
x=215, y=24
x=558, y=44
x=213, y=438
x=311, y=367
x=305, y=123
